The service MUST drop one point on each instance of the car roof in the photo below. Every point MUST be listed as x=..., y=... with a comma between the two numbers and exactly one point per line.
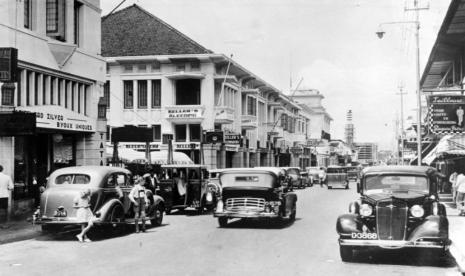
x=216, y=170
x=181, y=166
x=420, y=170
x=286, y=168
x=93, y=171
x=275, y=170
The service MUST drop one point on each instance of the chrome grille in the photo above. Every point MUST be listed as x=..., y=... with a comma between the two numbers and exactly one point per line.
x=245, y=204
x=391, y=219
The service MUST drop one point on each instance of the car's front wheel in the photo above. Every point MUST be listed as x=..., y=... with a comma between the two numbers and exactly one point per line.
x=158, y=213
x=222, y=221
x=347, y=253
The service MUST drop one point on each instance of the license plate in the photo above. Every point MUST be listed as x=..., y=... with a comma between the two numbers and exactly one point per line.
x=365, y=236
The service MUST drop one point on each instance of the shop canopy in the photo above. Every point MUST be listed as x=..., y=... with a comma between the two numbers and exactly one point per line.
x=156, y=157
x=448, y=145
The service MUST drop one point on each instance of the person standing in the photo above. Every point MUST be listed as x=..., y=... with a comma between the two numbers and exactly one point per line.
x=453, y=180
x=6, y=185
x=460, y=186
x=84, y=214
x=138, y=197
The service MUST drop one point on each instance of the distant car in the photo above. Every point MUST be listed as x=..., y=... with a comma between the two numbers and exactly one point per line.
x=64, y=185
x=398, y=208
x=337, y=177
x=306, y=179
x=317, y=175
x=254, y=193
x=295, y=177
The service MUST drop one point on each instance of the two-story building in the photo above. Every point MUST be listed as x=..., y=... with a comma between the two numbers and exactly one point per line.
x=49, y=113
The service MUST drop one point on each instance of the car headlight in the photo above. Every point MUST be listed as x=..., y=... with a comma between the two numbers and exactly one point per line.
x=366, y=210
x=219, y=206
x=417, y=211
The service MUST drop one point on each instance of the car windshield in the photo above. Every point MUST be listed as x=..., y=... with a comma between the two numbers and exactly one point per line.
x=393, y=183
x=248, y=180
x=66, y=179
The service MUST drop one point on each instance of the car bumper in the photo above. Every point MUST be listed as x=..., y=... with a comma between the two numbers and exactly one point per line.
x=59, y=221
x=230, y=214
x=395, y=244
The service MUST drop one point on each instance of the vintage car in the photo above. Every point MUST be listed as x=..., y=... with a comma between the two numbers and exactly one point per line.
x=353, y=173
x=317, y=175
x=185, y=186
x=398, y=208
x=306, y=179
x=254, y=193
x=336, y=177
x=64, y=185
x=294, y=176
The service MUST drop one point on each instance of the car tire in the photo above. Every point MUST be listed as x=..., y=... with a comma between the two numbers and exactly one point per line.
x=347, y=253
x=168, y=211
x=51, y=228
x=330, y=187
x=158, y=219
x=223, y=222
x=293, y=215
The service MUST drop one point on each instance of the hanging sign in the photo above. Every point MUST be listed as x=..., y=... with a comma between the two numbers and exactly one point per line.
x=446, y=114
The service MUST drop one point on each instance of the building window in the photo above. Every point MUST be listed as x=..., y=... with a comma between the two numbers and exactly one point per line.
x=195, y=65
x=188, y=92
x=156, y=132
x=77, y=19
x=101, y=109
x=156, y=93
x=142, y=67
x=195, y=133
x=180, y=67
x=180, y=133
x=251, y=106
x=27, y=14
x=55, y=19
x=128, y=94
x=106, y=93
x=8, y=93
x=142, y=93
x=156, y=66
x=127, y=68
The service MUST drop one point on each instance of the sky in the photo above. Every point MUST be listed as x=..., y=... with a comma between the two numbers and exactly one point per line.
x=330, y=45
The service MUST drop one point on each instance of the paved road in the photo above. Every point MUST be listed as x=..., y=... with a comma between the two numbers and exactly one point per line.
x=194, y=245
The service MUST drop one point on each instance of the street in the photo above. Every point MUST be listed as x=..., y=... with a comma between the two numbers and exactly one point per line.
x=188, y=244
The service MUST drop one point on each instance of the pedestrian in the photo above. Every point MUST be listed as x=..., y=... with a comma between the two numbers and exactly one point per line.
x=84, y=214
x=453, y=180
x=6, y=185
x=460, y=186
x=139, y=199
x=149, y=182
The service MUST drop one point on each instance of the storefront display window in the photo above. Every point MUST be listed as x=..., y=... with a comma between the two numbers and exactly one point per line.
x=63, y=152
x=20, y=175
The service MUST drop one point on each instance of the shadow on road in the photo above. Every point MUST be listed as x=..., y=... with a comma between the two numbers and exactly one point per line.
x=408, y=257
x=97, y=233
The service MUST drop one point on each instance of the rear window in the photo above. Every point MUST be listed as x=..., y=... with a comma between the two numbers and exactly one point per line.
x=293, y=171
x=67, y=179
x=247, y=180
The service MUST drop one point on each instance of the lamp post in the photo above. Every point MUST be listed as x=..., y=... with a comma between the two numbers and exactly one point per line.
x=380, y=33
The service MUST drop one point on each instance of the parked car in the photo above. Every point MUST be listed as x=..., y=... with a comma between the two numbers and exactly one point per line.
x=398, y=208
x=254, y=193
x=317, y=175
x=306, y=179
x=295, y=178
x=337, y=177
x=64, y=185
x=353, y=173
x=186, y=186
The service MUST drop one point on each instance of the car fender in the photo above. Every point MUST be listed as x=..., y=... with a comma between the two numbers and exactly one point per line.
x=104, y=212
x=354, y=207
x=157, y=200
x=290, y=203
x=432, y=227
x=348, y=224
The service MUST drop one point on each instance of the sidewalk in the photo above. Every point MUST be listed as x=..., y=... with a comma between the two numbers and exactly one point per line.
x=18, y=229
x=457, y=235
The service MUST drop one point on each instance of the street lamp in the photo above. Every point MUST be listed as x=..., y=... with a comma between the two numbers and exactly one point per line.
x=380, y=33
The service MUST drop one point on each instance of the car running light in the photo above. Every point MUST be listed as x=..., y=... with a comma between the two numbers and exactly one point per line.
x=219, y=206
x=417, y=211
x=366, y=210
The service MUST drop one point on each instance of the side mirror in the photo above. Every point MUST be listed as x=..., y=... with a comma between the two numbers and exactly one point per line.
x=358, y=187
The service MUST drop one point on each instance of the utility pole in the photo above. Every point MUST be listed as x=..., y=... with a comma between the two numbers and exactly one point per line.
x=401, y=93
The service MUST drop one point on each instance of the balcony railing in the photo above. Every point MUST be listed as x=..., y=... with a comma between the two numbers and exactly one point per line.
x=249, y=121
x=224, y=115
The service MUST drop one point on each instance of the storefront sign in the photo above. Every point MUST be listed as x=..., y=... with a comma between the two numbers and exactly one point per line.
x=8, y=64
x=60, y=118
x=141, y=146
x=17, y=123
x=234, y=148
x=232, y=139
x=296, y=150
x=446, y=114
x=131, y=134
x=184, y=113
x=213, y=137
x=186, y=146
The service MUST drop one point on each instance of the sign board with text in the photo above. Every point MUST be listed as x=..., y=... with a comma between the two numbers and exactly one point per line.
x=232, y=139
x=446, y=114
x=17, y=123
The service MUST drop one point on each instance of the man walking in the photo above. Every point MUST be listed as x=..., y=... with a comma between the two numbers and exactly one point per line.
x=6, y=185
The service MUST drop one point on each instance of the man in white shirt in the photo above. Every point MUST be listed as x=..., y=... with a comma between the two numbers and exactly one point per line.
x=460, y=188
x=6, y=185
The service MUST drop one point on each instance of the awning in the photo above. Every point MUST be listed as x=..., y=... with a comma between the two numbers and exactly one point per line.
x=156, y=157
x=448, y=145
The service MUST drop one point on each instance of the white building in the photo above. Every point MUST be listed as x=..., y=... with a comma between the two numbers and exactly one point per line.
x=60, y=80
